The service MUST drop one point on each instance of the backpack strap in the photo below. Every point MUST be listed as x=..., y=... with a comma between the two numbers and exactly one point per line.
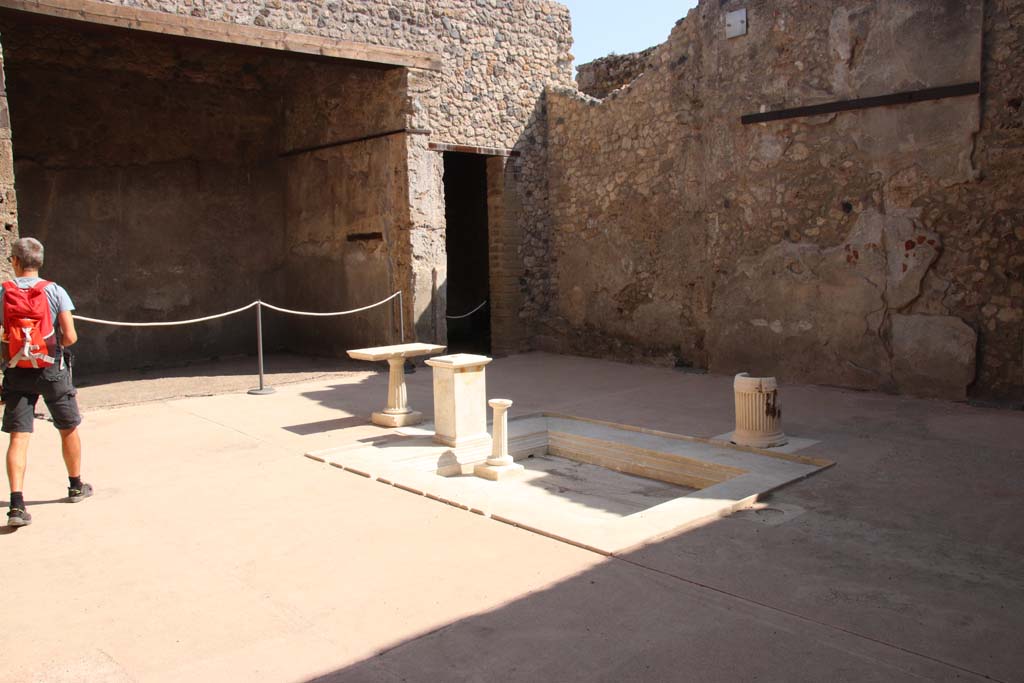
x=11, y=285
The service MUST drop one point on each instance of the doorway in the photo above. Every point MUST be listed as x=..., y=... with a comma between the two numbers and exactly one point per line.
x=466, y=241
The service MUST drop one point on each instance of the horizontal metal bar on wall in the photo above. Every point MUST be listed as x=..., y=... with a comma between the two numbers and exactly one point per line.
x=473, y=149
x=365, y=236
x=908, y=97
x=349, y=141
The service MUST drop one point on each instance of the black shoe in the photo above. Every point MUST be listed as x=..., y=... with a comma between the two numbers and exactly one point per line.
x=18, y=517
x=78, y=495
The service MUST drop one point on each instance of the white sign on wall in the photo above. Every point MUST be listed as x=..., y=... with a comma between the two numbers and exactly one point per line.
x=736, y=23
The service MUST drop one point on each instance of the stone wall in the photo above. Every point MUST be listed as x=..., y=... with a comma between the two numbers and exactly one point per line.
x=342, y=209
x=601, y=76
x=496, y=59
x=143, y=227
x=497, y=56
x=345, y=206
x=876, y=249
x=249, y=190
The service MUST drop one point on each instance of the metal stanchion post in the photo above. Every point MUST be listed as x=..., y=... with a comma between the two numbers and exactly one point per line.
x=401, y=315
x=410, y=366
x=262, y=390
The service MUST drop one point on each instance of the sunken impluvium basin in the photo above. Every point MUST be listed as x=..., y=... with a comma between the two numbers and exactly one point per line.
x=598, y=485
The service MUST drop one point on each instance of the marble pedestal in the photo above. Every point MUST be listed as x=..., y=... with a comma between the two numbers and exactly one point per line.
x=460, y=400
x=398, y=413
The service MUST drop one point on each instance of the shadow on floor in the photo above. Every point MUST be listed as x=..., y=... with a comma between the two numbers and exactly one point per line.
x=7, y=503
x=274, y=364
x=327, y=425
x=623, y=621
x=904, y=565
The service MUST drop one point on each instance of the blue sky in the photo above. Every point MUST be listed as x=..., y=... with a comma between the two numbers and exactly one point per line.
x=603, y=26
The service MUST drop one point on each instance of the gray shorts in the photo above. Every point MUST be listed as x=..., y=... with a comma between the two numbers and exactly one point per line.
x=22, y=388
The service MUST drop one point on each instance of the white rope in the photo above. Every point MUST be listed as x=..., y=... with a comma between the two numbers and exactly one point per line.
x=164, y=324
x=355, y=310
x=237, y=310
x=460, y=317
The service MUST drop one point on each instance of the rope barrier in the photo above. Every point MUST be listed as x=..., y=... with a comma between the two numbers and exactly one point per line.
x=466, y=315
x=355, y=310
x=165, y=324
x=259, y=324
x=237, y=310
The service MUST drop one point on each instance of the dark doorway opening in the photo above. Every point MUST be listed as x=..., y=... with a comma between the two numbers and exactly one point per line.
x=466, y=240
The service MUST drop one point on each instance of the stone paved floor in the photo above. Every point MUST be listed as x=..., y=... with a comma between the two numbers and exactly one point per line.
x=214, y=550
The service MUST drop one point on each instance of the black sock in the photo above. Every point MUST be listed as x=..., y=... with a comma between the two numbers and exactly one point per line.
x=17, y=500
x=76, y=482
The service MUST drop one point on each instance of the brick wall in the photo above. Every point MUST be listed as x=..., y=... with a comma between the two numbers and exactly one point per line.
x=505, y=229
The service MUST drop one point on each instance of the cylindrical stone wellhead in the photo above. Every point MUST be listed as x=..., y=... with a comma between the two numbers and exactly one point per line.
x=758, y=415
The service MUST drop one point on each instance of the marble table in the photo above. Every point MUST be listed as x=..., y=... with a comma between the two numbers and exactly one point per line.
x=397, y=413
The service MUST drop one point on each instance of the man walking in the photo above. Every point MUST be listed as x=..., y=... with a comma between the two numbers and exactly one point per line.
x=37, y=326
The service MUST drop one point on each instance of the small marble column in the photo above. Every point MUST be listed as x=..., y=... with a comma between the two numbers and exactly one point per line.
x=460, y=400
x=500, y=464
x=758, y=415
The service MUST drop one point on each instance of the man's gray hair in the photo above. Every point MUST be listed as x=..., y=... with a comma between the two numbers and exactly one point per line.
x=29, y=251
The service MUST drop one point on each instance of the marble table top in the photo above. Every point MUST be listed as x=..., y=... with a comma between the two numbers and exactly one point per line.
x=395, y=351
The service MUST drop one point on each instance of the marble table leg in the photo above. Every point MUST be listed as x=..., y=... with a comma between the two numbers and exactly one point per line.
x=397, y=413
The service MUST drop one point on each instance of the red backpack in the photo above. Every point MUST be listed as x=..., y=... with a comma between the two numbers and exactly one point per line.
x=29, y=338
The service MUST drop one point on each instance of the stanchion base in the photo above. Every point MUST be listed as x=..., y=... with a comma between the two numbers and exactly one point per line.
x=262, y=392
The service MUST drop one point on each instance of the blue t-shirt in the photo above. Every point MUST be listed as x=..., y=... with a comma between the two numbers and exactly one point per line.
x=58, y=298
